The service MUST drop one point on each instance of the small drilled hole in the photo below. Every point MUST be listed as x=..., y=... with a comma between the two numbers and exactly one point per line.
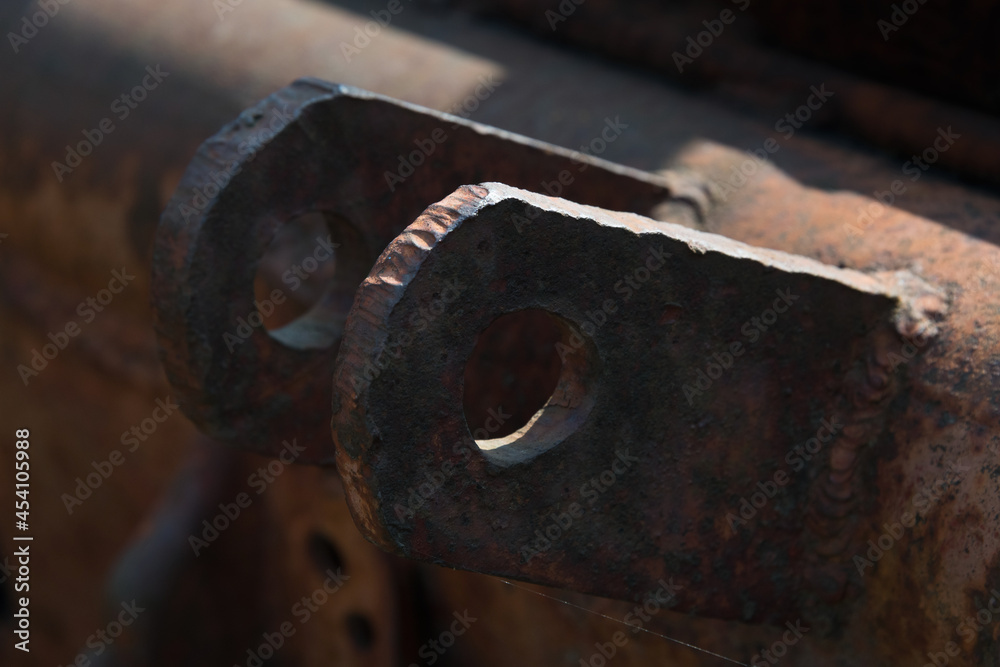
x=527, y=384
x=305, y=282
x=361, y=632
x=324, y=553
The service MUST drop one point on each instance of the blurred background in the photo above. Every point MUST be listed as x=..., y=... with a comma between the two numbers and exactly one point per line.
x=121, y=479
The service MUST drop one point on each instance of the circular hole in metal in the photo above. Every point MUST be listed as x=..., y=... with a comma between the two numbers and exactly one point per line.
x=324, y=553
x=361, y=632
x=527, y=384
x=305, y=282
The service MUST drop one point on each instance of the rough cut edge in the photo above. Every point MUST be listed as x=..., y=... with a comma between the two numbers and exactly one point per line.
x=366, y=333
x=919, y=302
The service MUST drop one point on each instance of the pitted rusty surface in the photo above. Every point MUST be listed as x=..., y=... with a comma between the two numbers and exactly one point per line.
x=938, y=455
x=371, y=164
x=649, y=388
x=105, y=214
x=916, y=392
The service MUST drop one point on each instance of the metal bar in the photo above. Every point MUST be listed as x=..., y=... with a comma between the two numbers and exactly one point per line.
x=657, y=453
x=371, y=164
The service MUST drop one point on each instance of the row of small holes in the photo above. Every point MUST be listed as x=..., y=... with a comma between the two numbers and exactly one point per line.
x=326, y=556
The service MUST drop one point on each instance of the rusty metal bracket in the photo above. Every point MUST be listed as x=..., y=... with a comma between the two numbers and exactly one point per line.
x=671, y=405
x=753, y=423
x=371, y=164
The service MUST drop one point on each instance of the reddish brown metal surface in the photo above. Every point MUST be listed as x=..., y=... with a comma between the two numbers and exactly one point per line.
x=59, y=243
x=360, y=159
x=849, y=374
x=644, y=306
x=885, y=463
x=65, y=237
